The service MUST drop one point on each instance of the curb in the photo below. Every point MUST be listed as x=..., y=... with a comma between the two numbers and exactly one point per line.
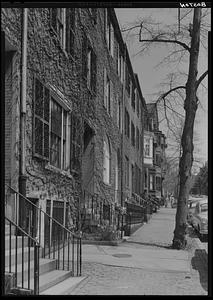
x=103, y=243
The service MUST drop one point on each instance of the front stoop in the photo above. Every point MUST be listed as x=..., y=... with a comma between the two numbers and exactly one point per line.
x=49, y=278
x=64, y=287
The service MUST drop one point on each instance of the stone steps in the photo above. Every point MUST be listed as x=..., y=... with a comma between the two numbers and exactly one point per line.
x=50, y=279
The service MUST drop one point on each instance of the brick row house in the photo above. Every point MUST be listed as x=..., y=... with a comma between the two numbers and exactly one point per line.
x=154, y=154
x=76, y=133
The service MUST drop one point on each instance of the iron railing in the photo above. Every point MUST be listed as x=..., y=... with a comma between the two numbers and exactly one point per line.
x=22, y=249
x=56, y=240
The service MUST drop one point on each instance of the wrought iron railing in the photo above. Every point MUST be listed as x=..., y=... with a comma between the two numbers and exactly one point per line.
x=56, y=240
x=18, y=261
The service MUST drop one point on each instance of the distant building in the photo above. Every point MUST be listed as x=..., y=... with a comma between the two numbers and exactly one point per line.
x=155, y=170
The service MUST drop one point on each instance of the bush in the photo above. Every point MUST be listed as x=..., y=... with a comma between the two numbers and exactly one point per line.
x=109, y=233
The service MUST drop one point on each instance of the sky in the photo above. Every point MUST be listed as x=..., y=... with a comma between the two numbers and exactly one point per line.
x=151, y=77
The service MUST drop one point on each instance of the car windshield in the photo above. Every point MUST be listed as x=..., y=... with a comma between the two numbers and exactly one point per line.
x=204, y=207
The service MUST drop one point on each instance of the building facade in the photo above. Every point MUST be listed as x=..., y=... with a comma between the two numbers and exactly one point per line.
x=75, y=121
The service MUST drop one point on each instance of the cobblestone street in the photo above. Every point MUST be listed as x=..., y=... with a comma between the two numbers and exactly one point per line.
x=105, y=278
x=113, y=280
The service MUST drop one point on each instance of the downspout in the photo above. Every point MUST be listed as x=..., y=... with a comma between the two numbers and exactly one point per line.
x=122, y=139
x=23, y=88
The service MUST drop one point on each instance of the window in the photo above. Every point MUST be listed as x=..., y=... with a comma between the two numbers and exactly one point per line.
x=137, y=139
x=151, y=186
x=75, y=142
x=158, y=183
x=93, y=13
x=109, y=33
x=127, y=123
x=70, y=27
x=58, y=23
x=133, y=179
x=89, y=62
x=63, y=22
x=106, y=164
x=121, y=65
x=106, y=212
x=41, y=120
x=158, y=160
x=147, y=150
x=117, y=58
x=126, y=171
x=128, y=81
x=133, y=96
x=133, y=134
x=137, y=103
x=56, y=134
x=51, y=128
x=145, y=179
x=108, y=93
x=59, y=136
x=137, y=179
x=118, y=112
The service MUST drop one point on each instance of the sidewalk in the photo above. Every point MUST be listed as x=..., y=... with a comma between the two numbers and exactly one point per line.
x=139, y=250
x=144, y=264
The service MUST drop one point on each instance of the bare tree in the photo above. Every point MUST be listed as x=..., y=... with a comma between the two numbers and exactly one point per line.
x=185, y=49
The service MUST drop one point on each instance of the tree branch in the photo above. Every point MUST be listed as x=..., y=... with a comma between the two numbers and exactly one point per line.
x=201, y=78
x=128, y=29
x=172, y=90
x=167, y=41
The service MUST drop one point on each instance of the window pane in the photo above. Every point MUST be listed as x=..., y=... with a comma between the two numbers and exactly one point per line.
x=55, y=150
x=46, y=140
x=56, y=118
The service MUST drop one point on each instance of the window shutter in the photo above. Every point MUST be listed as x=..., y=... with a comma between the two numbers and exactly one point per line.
x=53, y=16
x=84, y=55
x=94, y=71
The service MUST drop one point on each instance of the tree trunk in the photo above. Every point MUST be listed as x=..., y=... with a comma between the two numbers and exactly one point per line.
x=179, y=240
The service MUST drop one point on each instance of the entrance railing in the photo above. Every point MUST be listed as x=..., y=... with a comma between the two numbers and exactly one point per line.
x=17, y=253
x=57, y=241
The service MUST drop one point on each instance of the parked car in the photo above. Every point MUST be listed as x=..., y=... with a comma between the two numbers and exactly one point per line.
x=199, y=218
x=192, y=201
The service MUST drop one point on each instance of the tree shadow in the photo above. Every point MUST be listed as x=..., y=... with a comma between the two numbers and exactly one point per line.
x=200, y=263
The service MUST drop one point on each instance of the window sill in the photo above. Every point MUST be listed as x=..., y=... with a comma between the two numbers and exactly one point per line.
x=109, y=115
x=107, y=184
x=57, y=170
x=61, y=47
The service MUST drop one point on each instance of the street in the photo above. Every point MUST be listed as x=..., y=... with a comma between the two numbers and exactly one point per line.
x=145, y=264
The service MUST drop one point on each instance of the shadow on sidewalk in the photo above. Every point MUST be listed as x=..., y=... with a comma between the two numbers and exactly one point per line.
x=200, y=263
x=150, y=244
